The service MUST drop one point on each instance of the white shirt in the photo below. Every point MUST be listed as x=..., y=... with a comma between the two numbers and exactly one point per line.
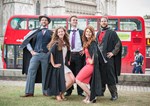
x=78, y=44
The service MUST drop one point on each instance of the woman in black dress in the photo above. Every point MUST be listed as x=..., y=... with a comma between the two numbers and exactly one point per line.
x=59, y=76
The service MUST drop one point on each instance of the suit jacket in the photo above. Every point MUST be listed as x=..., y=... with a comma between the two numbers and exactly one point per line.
x=31, y=38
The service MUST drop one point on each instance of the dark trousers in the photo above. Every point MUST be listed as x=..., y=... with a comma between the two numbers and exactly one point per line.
x=112, y=89
x=76, y=65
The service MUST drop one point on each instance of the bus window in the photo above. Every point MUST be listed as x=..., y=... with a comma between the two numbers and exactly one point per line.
x=124, y=51
x=33, y=23
x=57, y=22
x=93, y=23
x=19, y=23
x=148, y=51
x=10, y=56
x=113, y=24
x=19, y=56
x=82, y=24
x=130, y=25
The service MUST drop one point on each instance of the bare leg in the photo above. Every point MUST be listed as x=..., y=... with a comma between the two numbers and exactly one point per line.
x=85, y=88
x=58, y=97
x=70, y=79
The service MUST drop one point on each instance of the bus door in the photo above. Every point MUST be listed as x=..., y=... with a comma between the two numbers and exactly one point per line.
x=13, y=56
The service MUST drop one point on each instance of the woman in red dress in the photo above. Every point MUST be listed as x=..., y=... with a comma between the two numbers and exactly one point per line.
x=90, y=73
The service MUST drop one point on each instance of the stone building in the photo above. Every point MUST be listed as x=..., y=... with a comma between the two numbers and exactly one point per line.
x=9, y=8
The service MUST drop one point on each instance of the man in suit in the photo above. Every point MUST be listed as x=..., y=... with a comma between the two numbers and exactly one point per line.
x=35, y=56
x=77, y=58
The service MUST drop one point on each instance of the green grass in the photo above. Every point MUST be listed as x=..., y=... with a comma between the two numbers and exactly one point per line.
x=10, y=96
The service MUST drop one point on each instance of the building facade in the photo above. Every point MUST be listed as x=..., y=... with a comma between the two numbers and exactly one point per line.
x=9, y=8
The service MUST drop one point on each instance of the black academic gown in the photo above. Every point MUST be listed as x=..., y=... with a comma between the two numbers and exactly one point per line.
x=95, y=83
x=31, y=38
x=55, y=77
x=110, y=70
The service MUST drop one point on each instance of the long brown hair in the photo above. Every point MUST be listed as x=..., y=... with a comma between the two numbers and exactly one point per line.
x=55, y=39
x=87, y=42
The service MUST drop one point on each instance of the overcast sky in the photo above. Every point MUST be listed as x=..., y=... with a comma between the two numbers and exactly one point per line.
x=133, y=7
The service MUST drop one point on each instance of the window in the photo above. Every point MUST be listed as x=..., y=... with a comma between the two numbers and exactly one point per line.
x=148, y=51
x=57, y=22
x=113, y=24
x=10, y=56
x=93, y=23
x=19, y=57
x=82, y=24
x=130, y=25
x=33, y=23
x=13, y=56
x=124, y=51
x=19, y=23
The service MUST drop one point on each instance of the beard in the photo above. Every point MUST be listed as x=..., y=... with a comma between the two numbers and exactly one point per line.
x=104, y=27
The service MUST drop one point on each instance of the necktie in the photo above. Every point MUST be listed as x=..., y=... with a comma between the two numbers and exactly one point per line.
x=43, y=31
x=73, y=39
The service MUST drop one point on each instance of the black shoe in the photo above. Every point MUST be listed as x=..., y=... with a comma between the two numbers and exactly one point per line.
x=67, y=94
x=81, y=95
x=102, y=94
x=113, y=98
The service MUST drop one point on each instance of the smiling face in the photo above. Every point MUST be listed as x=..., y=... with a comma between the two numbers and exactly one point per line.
x=88, y=33
x=44, y=22
x=61, y=33
x=103, y=22
x=74, y=21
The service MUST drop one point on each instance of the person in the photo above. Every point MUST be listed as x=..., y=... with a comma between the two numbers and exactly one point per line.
x=77, y=53
x=138, y=62
x=35, y=56
x=59, y=76
x=110, y=48
x=90, y=73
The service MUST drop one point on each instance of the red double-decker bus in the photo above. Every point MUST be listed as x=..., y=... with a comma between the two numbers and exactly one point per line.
x=130, y=29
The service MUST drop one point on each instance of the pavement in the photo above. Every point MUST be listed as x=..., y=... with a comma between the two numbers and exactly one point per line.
x=127, y=81
x=120, y=87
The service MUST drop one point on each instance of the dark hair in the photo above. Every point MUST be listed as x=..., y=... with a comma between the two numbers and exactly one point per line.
x=45, y=16
x=137, y=51
x=72, y=17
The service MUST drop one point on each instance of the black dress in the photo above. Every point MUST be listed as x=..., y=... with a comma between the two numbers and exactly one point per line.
x=55, y=79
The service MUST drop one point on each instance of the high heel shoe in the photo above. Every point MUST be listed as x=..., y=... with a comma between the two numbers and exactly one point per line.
x=92, y=101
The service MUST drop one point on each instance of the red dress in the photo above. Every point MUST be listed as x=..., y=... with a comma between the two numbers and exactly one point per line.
x=86, y=72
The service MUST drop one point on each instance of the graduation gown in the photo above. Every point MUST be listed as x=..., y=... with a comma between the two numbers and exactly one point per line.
x=95, y=83
x=55, y=77
x=31, y=38
x=110, y=70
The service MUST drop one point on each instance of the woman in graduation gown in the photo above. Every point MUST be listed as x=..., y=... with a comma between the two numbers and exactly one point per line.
x=90, y=73
x=59, y=77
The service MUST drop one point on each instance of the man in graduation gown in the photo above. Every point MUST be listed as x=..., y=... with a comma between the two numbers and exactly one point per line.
x=110, y=49
x=35, y=56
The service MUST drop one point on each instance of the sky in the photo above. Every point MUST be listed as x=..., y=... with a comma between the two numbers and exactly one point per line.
x=133, y=7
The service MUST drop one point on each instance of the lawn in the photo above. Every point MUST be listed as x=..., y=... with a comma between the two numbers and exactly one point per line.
x=10, y=96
